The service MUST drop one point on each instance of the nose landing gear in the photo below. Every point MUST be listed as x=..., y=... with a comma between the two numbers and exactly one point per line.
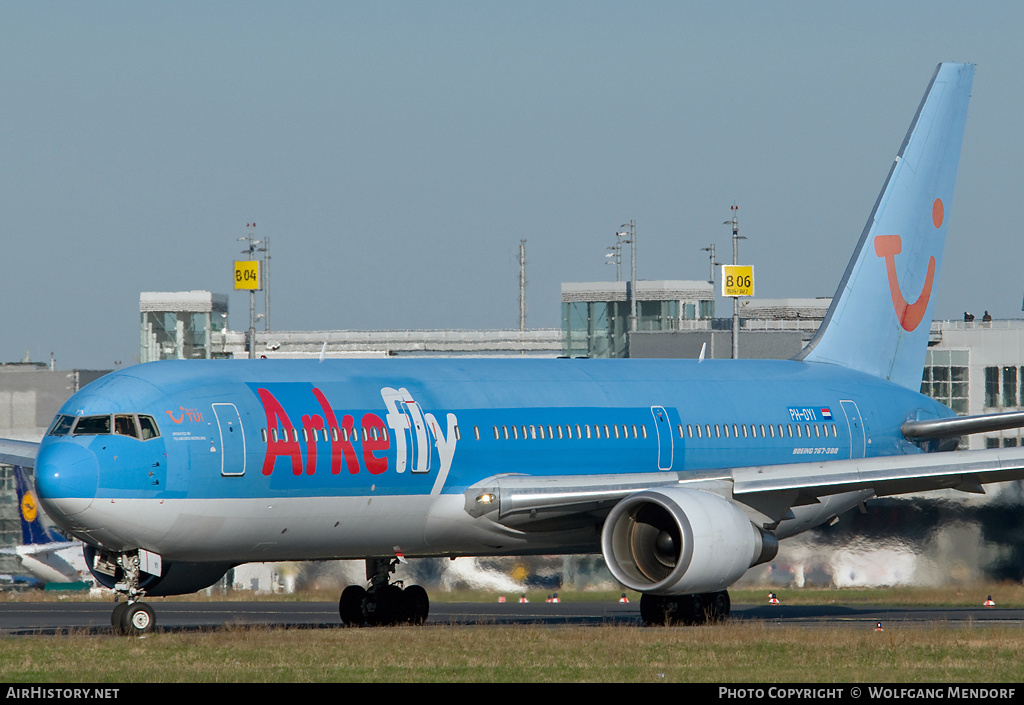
x=132, y=617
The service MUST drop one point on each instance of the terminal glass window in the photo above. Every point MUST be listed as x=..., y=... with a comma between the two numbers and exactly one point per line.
x=991, y=386
x=945, y=379
x=1009, y=386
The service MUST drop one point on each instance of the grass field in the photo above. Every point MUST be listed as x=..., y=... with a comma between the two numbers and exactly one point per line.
x=747, y=652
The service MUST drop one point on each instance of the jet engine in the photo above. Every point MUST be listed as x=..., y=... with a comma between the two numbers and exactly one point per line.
x=176, y=579
x=673, y=541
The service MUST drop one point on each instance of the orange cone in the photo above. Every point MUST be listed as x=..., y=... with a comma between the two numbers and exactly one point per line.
x=501, y=598
x=624, y=600
x=772, y=599
x=989, y=602
x=522, y=598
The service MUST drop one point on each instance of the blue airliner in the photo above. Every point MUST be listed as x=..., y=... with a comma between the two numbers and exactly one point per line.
x=682, y=473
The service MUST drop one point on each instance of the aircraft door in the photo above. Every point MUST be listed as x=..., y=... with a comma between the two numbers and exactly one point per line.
x=664, y=430
x=232, y=441
x=858, y=442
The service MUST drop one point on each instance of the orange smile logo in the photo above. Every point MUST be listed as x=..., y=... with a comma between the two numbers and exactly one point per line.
x=888, y=246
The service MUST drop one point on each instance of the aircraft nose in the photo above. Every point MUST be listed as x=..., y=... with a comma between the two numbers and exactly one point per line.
x=66, y=478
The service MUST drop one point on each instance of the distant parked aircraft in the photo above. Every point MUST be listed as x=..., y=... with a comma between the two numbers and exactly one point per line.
x=45, y=555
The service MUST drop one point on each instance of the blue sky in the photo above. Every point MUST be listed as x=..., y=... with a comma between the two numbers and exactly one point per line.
x=397, y=152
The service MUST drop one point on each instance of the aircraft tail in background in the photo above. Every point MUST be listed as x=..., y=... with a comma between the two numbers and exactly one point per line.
x=880, y=318
x=45, y=554
x=33, y=531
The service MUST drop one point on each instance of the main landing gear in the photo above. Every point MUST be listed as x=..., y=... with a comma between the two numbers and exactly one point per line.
x=669, y=610
x=384, y=603
x=132, y=617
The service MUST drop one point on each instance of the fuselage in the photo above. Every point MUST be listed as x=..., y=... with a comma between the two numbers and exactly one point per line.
x=287, y=460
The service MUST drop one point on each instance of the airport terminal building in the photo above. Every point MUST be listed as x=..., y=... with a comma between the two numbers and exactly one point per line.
x=974, y=367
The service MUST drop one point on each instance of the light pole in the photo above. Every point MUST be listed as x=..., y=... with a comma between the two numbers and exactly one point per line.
x=251, y=251
x=736, y=237
x=632, y=274
x=265, y=281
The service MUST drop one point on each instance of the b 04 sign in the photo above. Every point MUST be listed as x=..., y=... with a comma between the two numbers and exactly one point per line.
x=247, y=274
x=737, y=280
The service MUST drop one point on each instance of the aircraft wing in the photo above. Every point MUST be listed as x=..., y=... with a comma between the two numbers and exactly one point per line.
x=521, y=500
x=18, y=452
x=966, y=471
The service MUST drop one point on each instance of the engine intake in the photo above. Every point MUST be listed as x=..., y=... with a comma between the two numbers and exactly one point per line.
x=675, y=541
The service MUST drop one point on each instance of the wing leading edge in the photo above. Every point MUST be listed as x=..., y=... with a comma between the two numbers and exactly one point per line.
x=522, y=500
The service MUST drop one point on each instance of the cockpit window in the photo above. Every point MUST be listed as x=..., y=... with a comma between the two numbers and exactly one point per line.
x=131, y=425
x=147, y=425
x=61, y=425
x=124, y=425
x=92, y=426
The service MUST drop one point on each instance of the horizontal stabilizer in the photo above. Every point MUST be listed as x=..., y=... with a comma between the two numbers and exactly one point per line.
x=21, y=453
x=934, y=429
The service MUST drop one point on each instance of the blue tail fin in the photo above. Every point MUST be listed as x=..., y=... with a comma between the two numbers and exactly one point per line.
x=32, y=529
x=881, y=315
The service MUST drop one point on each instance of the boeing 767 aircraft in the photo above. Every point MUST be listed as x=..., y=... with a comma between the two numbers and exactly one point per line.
x=682, y=473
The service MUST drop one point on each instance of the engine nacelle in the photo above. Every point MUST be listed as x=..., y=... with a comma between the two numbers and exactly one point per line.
x=674, y=541
x=177, y=578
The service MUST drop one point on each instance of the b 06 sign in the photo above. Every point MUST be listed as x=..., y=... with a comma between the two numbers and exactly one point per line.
x=737, y=280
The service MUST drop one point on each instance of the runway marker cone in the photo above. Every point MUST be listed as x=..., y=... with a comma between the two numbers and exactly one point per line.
x=501, y=598
x=554, y=598
x=878, y=627
x=772, y=599
x=989, y=602
x=522, y=598
x=624, y=600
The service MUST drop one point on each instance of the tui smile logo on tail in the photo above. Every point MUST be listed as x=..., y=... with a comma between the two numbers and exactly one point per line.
x=888, y=246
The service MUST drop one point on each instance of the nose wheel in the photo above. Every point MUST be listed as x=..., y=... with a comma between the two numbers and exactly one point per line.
x=132, y=619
